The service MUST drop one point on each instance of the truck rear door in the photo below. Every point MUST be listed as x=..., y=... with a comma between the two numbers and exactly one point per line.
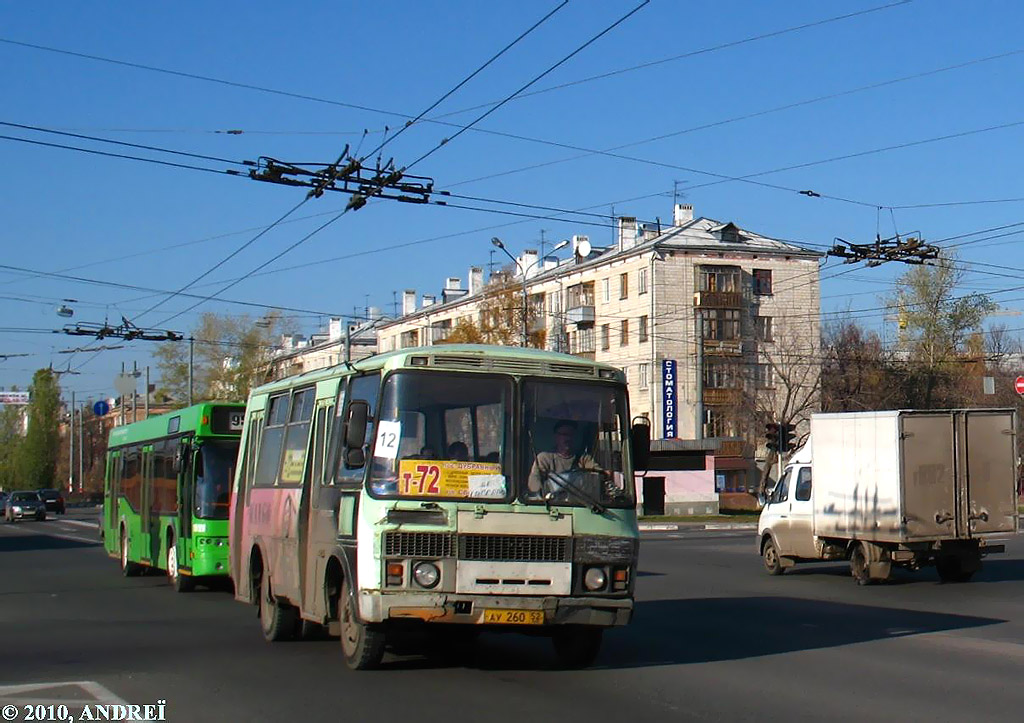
x=988, y=499
x=927, y=454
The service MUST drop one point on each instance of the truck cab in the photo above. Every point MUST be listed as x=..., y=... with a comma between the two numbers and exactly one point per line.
x=785, y=530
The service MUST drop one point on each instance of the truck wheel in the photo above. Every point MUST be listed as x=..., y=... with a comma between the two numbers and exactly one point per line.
x=362, y=645
x=772, y=562
x=859, y=565
x=951, y=570
x=577, y=647
x=276, y=619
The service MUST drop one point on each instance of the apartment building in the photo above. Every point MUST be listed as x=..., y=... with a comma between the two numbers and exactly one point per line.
x=341, y=341
x=716, y=327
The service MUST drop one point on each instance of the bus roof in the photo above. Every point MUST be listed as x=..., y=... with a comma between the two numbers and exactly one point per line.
x=461, y=357
x=197, y=418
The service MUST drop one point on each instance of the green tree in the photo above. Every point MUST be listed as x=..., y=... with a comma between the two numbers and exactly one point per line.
x=231, y=355
x=37, y=458
x=10, y=443
x=935, y=327
x=501, y=317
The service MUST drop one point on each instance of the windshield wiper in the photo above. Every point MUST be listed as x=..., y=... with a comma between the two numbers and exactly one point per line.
x=579, y=494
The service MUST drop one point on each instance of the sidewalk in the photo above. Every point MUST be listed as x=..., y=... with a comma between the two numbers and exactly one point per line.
x=676, y=526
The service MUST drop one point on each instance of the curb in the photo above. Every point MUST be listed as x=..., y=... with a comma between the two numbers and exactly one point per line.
x=673, y=527
x=652, y=527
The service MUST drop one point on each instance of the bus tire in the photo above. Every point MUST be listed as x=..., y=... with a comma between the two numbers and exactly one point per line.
x=577, y=646
x=180, y=583
x=128, y=568
x=278, y=620
x=362, y=645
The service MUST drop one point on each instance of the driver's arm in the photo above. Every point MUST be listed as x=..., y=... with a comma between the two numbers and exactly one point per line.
x=537, y=474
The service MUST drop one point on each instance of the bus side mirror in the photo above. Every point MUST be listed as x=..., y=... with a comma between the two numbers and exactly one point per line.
x=640, y=435
x=355, y=433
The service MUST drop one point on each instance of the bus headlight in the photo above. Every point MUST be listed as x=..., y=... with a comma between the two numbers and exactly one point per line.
x=595, y=579
x=426, y=574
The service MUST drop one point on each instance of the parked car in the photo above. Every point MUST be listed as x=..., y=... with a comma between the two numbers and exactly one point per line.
x=54, y=500
x=24, y=504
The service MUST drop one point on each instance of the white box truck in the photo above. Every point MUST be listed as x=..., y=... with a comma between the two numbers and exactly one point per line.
x=903, y=488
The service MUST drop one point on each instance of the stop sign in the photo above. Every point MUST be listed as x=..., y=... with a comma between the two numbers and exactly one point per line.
x=1019, y=385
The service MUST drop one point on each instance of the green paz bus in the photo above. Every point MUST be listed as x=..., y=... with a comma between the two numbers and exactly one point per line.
x=455, y=487
x=167, y=492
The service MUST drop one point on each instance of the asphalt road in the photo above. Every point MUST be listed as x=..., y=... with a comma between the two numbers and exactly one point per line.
x=713, y=638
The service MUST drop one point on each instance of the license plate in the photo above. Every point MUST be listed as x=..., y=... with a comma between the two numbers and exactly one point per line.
x=513, y=617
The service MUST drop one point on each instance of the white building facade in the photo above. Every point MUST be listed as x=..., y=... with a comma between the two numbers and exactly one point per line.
x=707, y=320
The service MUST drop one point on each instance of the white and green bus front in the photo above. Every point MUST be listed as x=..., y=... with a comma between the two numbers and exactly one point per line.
x=499, y=498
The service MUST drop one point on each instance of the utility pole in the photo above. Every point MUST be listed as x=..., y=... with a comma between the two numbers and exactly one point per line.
x=81, y=449
x=121, y=401
x=191, y=360
x=71, y=445
x=135, y=395
x=147, y=392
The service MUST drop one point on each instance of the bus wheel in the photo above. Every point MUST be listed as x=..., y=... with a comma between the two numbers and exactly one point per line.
x=128, y=568
x=363, y=646
x=180, y=583
x=577, y=646
x=277, y=619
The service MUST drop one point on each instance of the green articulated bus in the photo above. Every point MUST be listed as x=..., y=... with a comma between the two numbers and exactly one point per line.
x=167, y=492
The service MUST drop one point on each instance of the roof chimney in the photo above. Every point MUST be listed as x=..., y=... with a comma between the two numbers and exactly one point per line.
x=528, y=262
x=408, y=301
x=627, y=232
x=683, y=214
x=476, y=279
x=453, y=283
x=428, y=300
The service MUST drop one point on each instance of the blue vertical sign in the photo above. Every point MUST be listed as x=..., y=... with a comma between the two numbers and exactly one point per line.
x=669, y=408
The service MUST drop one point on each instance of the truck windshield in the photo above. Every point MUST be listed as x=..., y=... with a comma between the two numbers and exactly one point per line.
x=443, y=436
x=215, y=468
x=572, y=443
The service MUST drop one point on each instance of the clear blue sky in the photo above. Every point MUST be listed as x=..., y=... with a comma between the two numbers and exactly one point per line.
x=122, y=221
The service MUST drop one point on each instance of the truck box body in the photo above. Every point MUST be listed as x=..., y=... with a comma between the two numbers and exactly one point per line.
x=910, y=476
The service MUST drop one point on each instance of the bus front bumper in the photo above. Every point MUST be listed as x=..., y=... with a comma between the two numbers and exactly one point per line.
x=500, y=610
x=210, y=559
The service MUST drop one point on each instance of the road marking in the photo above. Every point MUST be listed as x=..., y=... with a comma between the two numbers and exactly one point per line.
x=98, y=693
x=83, y=523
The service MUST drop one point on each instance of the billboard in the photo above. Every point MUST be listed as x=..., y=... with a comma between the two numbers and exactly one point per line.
x=14, y=397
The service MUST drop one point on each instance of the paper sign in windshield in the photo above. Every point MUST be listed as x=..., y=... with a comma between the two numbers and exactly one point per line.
x=388, y=435
x=437, y=478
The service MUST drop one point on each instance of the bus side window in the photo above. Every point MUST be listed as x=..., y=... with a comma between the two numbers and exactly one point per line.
x=268, y=461
x=296, y=441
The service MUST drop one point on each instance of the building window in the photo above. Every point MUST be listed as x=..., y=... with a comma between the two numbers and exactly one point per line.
x=624, y=334
x=644, y=372
x=582, y=342
x=719, y=375
x=764, y=376
x=641, y=281
x=606, y=337
x=763, y=328
x=606, y=290
x=719, y=424
x=721, y=324
x=763, y=282
x=719, y=278
x=643, y=329
x=624, y=286
x=410, y=338
x=580, y=295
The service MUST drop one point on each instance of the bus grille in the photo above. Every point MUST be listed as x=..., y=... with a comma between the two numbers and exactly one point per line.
x=514, y=548
x=419, y=544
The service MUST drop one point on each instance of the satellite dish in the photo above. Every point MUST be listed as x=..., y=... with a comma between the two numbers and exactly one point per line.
x=583, y=249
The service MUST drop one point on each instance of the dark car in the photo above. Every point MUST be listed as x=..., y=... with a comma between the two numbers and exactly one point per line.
x=24, y=504
x=54, y=500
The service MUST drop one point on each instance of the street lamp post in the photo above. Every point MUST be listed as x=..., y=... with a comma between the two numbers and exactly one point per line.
x=498, y=243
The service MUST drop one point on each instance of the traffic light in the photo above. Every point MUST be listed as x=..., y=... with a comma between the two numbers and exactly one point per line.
x=771, y=436
x=787, y=437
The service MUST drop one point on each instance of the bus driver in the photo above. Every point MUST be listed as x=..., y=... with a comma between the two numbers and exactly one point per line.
x=563, y=459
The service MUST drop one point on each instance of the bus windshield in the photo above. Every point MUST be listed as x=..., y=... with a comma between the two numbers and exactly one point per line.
x=215, y=469
x=572, y=442
x=443, y=436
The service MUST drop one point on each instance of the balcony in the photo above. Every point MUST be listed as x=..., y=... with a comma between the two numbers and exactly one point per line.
x=580, y=314
x=732, y=448
x=722, y=397
x=718, y=300
x=723, y=347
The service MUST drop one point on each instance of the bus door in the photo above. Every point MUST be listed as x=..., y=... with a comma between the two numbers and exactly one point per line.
x=148, y=526
x=318, y=526
x=111, y=500
x=185, y=457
